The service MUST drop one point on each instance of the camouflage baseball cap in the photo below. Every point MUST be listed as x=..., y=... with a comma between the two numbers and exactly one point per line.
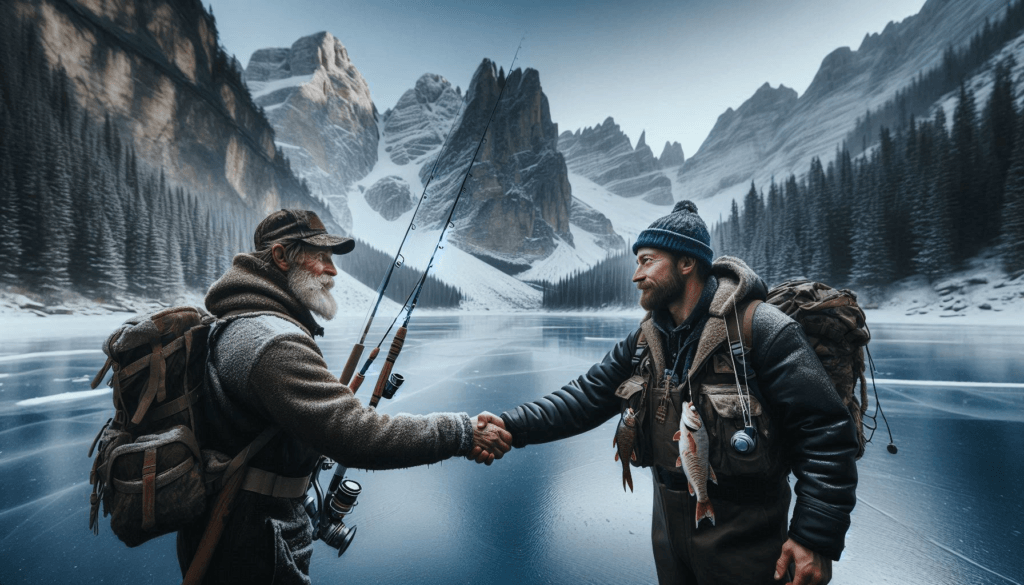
x=299, y=224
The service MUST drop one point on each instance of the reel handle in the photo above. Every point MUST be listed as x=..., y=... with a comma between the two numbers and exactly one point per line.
x=389, y=363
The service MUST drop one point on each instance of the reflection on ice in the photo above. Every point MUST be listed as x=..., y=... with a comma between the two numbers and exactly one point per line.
x=64, y=397
x=47, y=354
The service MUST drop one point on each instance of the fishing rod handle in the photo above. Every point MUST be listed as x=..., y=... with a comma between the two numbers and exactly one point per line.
x=389, y=363
x=350, y=365
x=357, y=381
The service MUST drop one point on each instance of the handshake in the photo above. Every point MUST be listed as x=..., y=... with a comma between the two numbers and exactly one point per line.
x=490, y=439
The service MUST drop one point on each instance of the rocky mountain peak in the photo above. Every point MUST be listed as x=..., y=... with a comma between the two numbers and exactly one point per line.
x=517, y=202
x=304, y=57
x=775, y=132
x=423, y=116
x=671, y=155
x=322, y=113
x=604, y=155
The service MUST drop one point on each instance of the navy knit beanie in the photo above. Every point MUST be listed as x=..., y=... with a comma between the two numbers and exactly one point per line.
x=681, y=232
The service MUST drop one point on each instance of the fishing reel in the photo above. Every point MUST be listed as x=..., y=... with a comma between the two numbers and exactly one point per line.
x=745, y=441
x=327, y=512
x=338, y=503
x=392, y=385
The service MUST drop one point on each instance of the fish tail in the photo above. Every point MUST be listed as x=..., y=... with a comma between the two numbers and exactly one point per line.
x=705, y=510
x=627, y=478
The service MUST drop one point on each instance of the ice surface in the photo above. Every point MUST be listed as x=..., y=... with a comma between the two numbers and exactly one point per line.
x=942, y=511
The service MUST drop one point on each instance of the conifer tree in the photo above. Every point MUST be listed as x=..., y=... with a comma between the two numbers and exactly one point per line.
x=54, y=241
x=10, y=236
x=1012, y=233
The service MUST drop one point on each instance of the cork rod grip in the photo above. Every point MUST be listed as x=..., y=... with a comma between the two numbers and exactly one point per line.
x=350, y=365
x=385, y=371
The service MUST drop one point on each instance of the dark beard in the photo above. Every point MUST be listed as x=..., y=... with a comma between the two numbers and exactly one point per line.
x=660, y=295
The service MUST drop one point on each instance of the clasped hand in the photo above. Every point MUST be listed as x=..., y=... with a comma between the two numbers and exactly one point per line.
x=490, y=439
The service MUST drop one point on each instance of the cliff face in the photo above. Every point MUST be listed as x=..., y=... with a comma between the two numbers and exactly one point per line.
x=154, y=66
x=517, y=202
x=604, y=155
x=321, y=110
x=421, y=119
x=777, y=133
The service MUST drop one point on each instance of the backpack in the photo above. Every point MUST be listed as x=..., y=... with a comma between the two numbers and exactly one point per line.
x=835, y=327
x=151, y=473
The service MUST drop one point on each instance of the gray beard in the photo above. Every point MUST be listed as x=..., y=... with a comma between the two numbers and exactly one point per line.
x=313, y=292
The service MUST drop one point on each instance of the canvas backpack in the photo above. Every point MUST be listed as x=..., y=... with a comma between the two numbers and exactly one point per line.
x=151, y=473
x=836, y=328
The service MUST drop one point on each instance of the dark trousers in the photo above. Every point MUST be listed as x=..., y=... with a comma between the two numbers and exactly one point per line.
x=740, y=549
x=266, y=540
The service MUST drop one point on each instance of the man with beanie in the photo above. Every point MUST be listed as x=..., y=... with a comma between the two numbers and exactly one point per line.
x=767, y=407
x=265, y=371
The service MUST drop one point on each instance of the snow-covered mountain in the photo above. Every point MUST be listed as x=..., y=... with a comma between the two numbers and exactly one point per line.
x=418, y=124
x=604, y=155
x=321, y=110
x=775, y=132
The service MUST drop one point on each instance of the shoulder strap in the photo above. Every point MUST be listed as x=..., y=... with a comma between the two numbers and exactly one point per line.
x=653, y=339
x=641, y=347
x=747, y=320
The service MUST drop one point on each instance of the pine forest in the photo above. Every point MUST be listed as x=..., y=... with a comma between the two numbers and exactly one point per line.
x=930, y=196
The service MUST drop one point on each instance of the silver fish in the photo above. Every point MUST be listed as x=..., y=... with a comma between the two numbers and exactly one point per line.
x=693, y=458
x=625, y=438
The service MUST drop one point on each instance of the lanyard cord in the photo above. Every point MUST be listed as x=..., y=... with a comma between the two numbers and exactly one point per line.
x=744, y=397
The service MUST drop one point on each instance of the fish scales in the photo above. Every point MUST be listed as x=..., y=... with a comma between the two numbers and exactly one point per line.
x=625, y=438
x=693, y=458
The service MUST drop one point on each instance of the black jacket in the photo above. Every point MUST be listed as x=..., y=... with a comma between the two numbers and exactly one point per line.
x=818, y=434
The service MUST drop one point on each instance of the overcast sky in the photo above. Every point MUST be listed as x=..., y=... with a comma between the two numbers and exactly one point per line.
x=667, y=67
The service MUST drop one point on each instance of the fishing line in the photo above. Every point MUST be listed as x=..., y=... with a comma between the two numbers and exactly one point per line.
x=891, y=447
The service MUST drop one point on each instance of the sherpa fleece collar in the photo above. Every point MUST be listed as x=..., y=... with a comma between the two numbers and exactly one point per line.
x=253, y=285
x=737, y=283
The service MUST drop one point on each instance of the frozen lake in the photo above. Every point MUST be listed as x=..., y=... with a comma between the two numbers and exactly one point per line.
x=948, y=509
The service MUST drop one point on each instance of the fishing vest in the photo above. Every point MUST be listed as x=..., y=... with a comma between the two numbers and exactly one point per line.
x=658, y=403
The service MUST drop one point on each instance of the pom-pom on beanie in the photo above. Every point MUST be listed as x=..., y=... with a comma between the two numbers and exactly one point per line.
x=681, y=232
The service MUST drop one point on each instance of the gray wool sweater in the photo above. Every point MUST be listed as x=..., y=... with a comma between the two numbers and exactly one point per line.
x=267, y=370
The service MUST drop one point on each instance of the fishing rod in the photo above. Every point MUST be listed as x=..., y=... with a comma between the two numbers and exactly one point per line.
x=384, y=378
x=328, y=517
x=396, y=346
x=357, y=349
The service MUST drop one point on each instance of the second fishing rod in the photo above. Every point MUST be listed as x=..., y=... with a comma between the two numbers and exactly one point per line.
x=386, y=384
x=340, y=499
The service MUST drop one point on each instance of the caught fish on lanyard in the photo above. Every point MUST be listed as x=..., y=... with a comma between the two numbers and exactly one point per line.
x=693, y=458
x=625, y=438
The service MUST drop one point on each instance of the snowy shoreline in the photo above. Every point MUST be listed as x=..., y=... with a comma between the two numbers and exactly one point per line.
x=981, y=295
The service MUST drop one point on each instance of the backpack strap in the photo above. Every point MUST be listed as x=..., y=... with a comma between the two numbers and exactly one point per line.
x=747, y=321
x=638, y=353
x=229, y=484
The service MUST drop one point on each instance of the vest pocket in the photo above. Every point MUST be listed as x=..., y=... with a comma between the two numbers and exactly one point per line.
x=722, y=409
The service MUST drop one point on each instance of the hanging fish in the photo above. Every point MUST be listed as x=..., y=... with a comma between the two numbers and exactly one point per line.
x=625, y=438
x=693, y=458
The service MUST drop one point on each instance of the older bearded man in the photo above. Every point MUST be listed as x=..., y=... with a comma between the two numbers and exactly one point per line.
x=265, y=370
x=684, y=353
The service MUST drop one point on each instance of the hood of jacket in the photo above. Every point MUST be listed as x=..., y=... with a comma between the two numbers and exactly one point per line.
x=251, y=285
x=737, y=284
